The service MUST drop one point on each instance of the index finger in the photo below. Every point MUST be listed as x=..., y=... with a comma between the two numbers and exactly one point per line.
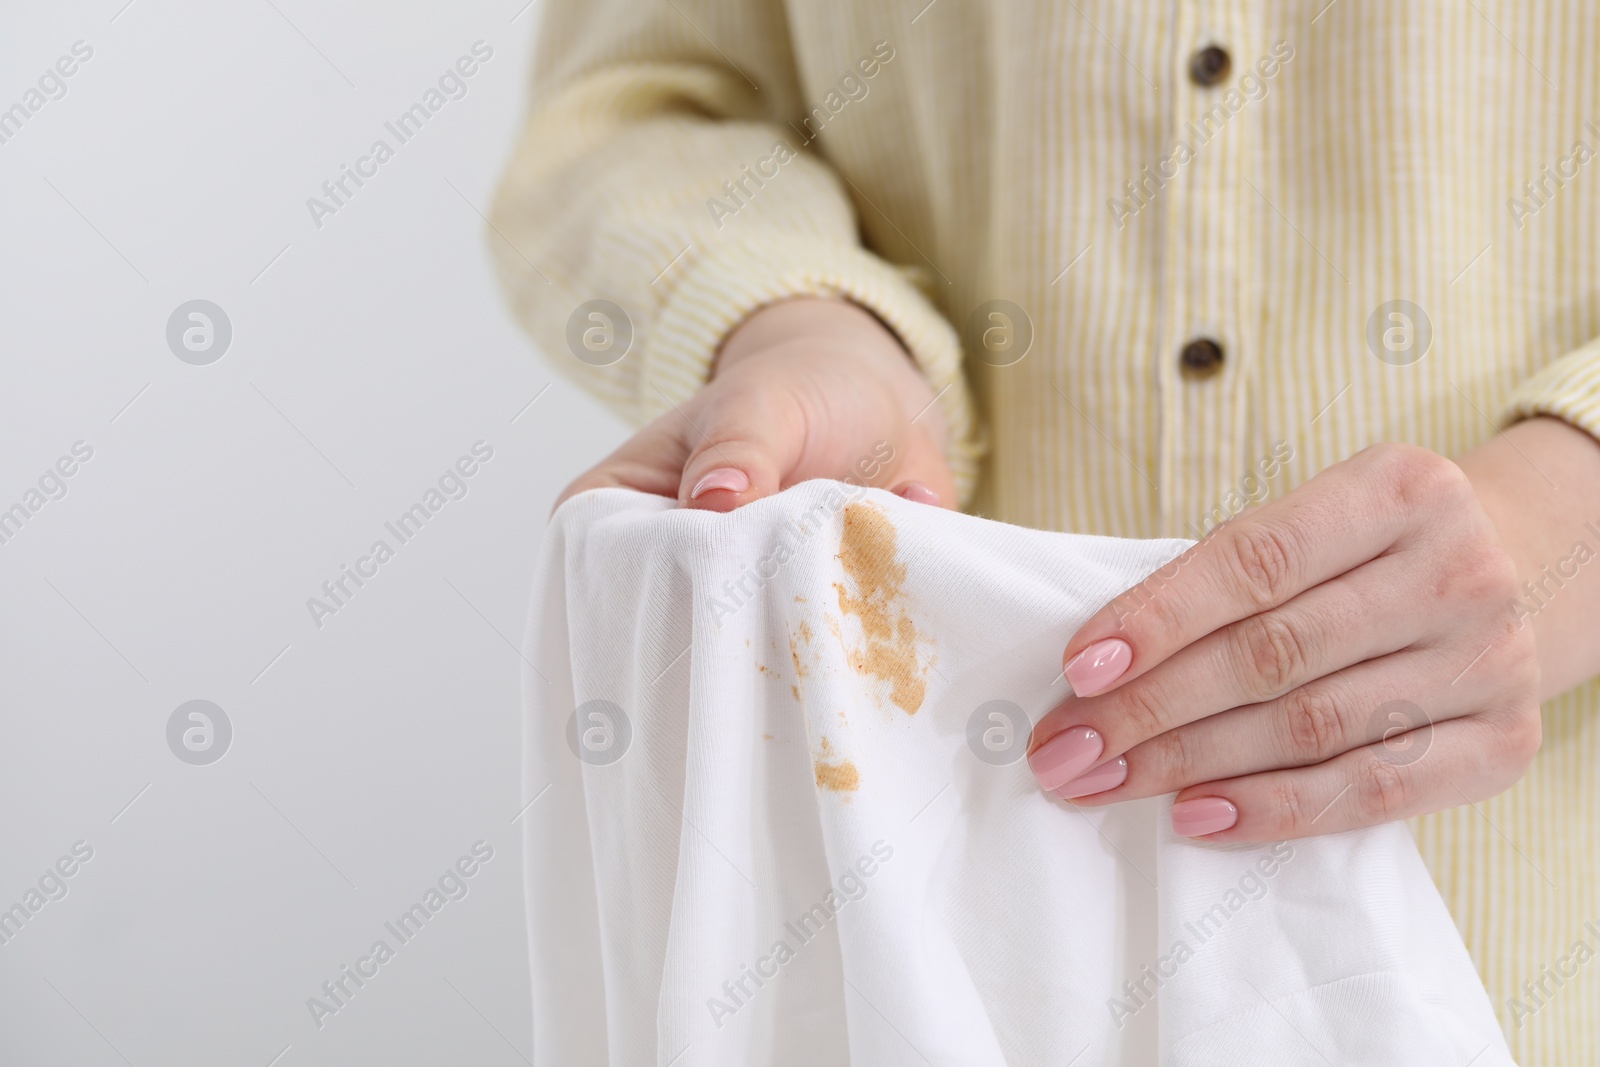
x=650, y=461
x=1338, y=520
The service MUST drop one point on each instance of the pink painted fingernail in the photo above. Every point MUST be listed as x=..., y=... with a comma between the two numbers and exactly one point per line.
x=730, y=478
x=1106, y=776
x=1097, y=666
x=1065, y=756
x=918, y=493
x=1203, y=815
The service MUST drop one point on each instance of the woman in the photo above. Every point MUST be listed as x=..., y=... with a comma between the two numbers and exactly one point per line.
x=1129, y=269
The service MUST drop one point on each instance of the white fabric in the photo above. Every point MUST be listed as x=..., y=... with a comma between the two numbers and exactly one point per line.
x=977, y=921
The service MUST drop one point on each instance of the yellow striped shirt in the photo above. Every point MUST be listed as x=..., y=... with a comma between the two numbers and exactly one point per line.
x=1384, y=218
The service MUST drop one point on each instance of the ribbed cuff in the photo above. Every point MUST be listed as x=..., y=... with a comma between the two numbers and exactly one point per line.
x=720, y=289
x=1568, y=389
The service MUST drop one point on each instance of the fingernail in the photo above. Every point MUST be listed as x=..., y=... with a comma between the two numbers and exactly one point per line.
x=1106, y=776
x=1203, y=815
x=918, y=493
x=1097, y=666
x=730, y=478
x=1065, y=756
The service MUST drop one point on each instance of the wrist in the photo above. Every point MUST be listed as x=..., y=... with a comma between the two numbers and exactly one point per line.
x=841, y=326
x=1536, y=481
x=823, y=319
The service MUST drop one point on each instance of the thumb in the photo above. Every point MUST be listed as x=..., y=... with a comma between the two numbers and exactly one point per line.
x=741, y=447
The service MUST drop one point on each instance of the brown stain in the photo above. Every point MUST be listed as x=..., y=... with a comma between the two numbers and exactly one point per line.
x=838, y=777
x=833, y=628
x=794, y=654
x=889, y=636
x=804, y=632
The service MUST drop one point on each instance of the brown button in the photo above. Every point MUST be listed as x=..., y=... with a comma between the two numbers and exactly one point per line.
x=1209, y=66
x=1201, y=358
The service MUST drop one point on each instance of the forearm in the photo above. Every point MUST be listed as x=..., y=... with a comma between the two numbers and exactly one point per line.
x=1540, y=483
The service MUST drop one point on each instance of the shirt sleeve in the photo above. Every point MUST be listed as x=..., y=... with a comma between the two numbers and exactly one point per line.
x=1568, y=389
x=658, y=171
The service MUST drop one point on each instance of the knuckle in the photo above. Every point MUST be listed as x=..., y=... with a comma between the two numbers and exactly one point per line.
x=1285, y=798
x=1524, y=672
x=1271, y=654
x=1522, y=735
x=1501, y=570
x=1416, y=474
x=1141, y=712
x=1382, y=790
x=1264, y=562
x=1398, y=456
x=1518, y=665
x=1155, y=604
x=1489, y=574
x=1313, y=725
x=1172, y=758
x=1511, y=660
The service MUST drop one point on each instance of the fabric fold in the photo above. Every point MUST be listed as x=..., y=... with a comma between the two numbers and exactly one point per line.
x=783, y=817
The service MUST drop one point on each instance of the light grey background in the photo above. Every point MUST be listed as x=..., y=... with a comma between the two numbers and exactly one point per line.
x=367, y=356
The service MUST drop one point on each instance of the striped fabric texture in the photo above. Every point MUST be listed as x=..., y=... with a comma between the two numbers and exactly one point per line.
x=1384, y=217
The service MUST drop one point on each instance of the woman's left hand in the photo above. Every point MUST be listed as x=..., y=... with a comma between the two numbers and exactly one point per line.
x=1343, y=656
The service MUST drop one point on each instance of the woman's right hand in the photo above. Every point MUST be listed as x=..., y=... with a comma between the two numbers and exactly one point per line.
x=806, y=388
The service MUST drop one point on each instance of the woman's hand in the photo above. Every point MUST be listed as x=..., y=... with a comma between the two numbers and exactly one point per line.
x=1344, y=656
x=807, y=388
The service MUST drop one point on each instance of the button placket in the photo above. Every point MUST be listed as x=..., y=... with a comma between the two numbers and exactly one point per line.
x=1203, y=350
